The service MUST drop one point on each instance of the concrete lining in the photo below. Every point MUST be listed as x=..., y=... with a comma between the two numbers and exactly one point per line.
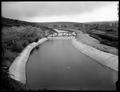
x=17, y=69
x=104, y=58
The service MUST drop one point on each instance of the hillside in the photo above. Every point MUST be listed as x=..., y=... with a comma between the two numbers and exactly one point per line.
x=16, y=35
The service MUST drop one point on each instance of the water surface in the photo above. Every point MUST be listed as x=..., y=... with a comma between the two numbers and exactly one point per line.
x=58, y=65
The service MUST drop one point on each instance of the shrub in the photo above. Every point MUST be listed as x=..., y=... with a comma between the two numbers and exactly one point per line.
x=9, y=55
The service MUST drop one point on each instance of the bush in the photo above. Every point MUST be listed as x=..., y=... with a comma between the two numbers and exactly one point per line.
x=17, y=47
x=96, y=37
x=9, y=55
x=8, y=84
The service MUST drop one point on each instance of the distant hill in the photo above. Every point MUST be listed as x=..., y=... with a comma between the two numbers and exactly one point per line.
x=78, y=22
x=111, y=25
x=90, y=27
x=73, y=25
x=7, y=22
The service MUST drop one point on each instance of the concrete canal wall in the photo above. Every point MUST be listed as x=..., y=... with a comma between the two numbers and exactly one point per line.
x=104, y=58
x=17, y=69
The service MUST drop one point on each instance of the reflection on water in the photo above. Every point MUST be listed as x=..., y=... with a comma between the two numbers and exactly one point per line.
x=58, y=65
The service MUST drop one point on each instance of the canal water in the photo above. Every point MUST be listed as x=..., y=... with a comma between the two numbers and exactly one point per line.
x=57, y=65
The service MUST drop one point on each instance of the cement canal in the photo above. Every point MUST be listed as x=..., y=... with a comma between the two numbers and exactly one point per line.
x=58, y=65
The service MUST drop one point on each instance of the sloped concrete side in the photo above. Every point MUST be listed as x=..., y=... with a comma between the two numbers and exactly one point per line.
x=106, y=59
x=60, y=38
x=17, y=69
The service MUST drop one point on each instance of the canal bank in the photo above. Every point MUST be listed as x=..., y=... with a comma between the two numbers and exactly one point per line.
x=104, y=58
x=17, y=69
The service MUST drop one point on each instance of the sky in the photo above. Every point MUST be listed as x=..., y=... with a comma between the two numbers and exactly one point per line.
x=79, y=11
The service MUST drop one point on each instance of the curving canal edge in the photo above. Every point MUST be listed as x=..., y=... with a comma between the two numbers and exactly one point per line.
x=17, y=69
x=104, y=58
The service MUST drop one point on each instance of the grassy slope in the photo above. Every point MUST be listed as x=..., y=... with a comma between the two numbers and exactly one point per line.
x=16, y=35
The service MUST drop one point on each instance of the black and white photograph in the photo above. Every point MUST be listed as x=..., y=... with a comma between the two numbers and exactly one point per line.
x=59, y=45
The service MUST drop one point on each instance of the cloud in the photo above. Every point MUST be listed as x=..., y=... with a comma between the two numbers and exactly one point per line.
x=59, y=11
x=108, y=13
